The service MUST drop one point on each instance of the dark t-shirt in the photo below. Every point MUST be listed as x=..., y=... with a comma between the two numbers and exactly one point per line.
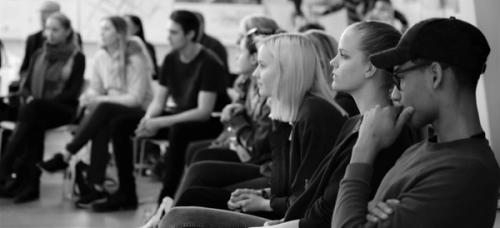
x=185, y=80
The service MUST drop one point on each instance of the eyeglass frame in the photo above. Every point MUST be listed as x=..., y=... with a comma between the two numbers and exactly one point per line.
x=396, y=79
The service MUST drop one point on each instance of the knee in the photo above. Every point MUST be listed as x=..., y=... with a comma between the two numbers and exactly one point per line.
x=180, y=217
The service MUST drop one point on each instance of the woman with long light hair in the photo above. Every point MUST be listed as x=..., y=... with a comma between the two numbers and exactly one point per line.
x=120, y=88
x=289, y=73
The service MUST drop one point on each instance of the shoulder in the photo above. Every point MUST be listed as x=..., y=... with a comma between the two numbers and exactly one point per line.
x=35, y=36
x=317, y=107
x=170, y=57
x=209, y=58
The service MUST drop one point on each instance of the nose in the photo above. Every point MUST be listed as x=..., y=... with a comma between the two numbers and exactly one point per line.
x=333, y=62
x=256, y=73
x=395, y=95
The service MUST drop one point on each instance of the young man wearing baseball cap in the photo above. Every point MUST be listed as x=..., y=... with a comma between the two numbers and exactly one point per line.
x=448, y=180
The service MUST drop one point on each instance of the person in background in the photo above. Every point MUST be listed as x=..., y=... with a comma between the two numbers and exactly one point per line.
x=135, y=28
x=213, y=44
x=120, y=87
x=53, y=82
x=384, y=11
x=447, y=180
x=36, y=40
x=311, y=26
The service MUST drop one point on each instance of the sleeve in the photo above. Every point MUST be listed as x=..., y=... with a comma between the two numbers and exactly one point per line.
x=73, y=86
x=212, y=75
x=138, y=79
x=28, y=52
x=315, y=136
x=254, y=137
x=95, y=82
x=438, y=199
x=279, y=204
x=320, y=212
x=152, y=54
x=163, y=77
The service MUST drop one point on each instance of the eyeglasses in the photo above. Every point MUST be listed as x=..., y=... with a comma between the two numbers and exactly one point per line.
x=397, y=74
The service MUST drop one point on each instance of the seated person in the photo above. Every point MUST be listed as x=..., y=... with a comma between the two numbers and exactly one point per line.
x=53, y=82
x=194, y=80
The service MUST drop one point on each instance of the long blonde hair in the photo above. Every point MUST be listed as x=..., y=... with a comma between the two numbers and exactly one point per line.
x=299, y=72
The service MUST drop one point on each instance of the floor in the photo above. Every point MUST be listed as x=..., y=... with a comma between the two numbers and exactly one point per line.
x=54, y=210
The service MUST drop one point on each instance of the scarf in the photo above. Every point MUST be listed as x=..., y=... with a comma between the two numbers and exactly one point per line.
x=51, y=70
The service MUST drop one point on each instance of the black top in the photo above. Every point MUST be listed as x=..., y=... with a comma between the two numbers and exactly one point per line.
x=214, y=45
x=152, y=53
x=33, y=43
x=315, y=206
x=313, y=136
x=185, y=80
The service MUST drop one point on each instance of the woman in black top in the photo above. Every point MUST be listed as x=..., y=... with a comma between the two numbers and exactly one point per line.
x=294, y=81
x=51, y=90
x=135, y=28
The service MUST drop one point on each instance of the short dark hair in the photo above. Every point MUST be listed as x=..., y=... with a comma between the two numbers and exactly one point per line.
x=466, y=79
x=187, y=20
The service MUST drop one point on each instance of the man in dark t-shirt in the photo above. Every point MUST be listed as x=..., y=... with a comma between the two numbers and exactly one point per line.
x=193, y=85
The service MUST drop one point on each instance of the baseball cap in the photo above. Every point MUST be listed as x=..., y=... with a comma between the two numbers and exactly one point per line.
x=447, y=40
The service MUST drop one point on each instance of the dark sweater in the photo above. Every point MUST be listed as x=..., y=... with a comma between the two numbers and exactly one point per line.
x=315, y=206
x=313, y=136
x=450, y=184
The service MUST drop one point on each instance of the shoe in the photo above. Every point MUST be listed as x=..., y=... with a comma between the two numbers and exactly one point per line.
x=28, y=194
x=116, y=202
x=93, y=197
x=54, y=164
x=10, y=187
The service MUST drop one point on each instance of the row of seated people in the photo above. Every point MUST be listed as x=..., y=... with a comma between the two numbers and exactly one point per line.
x=332, y=170
x=118, y=102
x=324, y=159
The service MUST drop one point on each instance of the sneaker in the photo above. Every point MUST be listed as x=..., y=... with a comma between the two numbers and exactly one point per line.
x=54, y=164
x=116, y=202
x=93, y=197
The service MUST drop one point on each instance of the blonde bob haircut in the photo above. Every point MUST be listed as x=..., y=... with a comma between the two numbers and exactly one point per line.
x=299, y=72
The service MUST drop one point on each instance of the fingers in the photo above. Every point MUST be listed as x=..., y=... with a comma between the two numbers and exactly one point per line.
x=404, y=116
x=381, y=210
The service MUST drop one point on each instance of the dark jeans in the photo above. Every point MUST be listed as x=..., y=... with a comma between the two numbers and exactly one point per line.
x=207, y=217
x=25, y=147
x=108, y=122
x=210, y=183
x=180, y=135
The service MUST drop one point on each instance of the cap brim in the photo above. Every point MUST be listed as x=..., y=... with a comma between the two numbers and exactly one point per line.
x=391, y=57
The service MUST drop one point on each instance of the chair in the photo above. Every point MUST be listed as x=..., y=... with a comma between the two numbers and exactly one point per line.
x=139, y=149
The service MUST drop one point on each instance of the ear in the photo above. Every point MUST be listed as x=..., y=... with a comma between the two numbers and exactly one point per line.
x=437, y=78
x=370, y=70
x=190, y=35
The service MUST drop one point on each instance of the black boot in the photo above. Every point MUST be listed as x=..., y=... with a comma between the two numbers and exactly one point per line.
x=10, y=187
x=29, y=189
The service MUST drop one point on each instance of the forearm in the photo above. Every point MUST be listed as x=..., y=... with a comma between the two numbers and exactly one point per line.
x=353, y=196
x=186, y=116
x=124, y=99
x=153, y=110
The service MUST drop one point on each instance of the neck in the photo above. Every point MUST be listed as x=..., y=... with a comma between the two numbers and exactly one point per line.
x=368, y=97
x=189, y=52
x=458, y=120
